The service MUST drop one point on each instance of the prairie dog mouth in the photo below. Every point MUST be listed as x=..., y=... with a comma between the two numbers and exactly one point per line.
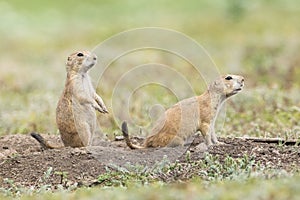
x=239, y=88
x=235, y=91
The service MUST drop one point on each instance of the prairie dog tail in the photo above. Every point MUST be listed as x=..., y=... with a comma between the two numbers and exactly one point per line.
x=126, y=137
x=45, y=144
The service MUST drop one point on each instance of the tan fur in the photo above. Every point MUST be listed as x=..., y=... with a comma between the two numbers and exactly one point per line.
x=188, y=116
x=75, y=112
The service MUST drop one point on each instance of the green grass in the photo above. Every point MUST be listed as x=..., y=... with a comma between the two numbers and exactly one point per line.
x=183, y=179
x=253, y=188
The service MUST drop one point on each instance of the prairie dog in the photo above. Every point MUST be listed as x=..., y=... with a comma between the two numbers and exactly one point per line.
x=75, y=111
x=188, y=116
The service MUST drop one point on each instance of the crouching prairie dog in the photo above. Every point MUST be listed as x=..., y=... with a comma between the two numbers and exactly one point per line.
x=75, y=111
x=190, y=115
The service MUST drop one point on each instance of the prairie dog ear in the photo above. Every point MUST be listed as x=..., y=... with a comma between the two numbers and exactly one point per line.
x=69, y=61
x=214, y=85
x=219, y=83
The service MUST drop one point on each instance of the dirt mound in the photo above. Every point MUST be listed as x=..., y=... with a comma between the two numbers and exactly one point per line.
x=23, y=161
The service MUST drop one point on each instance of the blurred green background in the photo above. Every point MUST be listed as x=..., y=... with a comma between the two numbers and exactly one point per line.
x=257, y=39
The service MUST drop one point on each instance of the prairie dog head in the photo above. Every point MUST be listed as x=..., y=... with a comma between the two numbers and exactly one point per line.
x=227, y=85
x=81, y=61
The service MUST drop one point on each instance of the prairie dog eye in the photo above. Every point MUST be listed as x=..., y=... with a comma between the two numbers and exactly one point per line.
x=80, y=54
x=228, y=78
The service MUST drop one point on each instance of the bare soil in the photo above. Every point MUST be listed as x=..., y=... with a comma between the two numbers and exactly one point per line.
x=24, y=162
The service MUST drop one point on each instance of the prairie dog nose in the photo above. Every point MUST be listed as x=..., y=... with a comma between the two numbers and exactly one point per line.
x=242, y=80
x=94, y=57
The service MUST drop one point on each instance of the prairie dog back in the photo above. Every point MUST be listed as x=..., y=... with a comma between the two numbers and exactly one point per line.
x=188, y=116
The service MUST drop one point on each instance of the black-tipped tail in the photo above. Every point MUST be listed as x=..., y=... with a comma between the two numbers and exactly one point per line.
x=41, y=140
x=125, y=129
x=126, y=137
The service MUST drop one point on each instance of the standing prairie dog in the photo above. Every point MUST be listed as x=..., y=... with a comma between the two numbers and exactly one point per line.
x=75, y=111
x=190, y=115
